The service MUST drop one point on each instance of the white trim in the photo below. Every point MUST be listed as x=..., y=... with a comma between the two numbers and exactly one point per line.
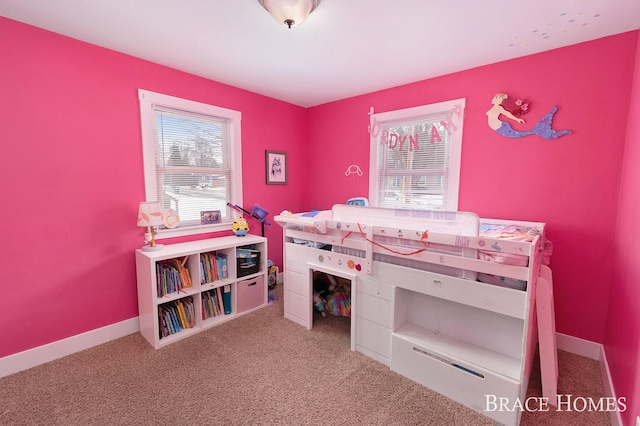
x=148, y=130
x=614, y=416
x=148, y=99
x=578, y=346
x=595, y=351
x=192, y=230
x=455, y=107
x=42, y=354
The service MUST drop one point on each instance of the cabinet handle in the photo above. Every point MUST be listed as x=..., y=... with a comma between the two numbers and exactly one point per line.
x=458, y=366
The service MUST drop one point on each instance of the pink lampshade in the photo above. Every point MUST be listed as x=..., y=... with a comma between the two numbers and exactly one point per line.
x=150, y=214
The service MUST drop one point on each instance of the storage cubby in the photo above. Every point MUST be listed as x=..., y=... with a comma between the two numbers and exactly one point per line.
x=434, y=325
x=176, y=316
x=173, y=275
x=247, y=260
x=187, y=287
x=215, y=267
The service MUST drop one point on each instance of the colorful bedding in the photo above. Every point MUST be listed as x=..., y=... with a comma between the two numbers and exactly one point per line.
x=514, y=233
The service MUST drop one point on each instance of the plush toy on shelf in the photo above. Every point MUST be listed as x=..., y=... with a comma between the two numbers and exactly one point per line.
x=240, y=227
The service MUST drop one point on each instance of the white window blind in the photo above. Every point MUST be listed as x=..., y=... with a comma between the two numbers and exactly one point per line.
x=192, y=167
x=192, y=158
x=415, y=157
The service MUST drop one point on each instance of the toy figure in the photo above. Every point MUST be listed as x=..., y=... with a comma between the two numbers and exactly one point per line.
x=240, y=227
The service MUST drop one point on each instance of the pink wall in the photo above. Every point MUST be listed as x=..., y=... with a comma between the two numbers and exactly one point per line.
x=570, y=183
x=70, y=113
x=72, y=168
x=622, y=342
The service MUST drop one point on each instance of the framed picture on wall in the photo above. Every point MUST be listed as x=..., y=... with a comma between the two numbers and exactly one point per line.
x=276, y=167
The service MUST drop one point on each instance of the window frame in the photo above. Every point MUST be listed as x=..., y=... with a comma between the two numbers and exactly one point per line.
x=454, y=107
x=149, y=143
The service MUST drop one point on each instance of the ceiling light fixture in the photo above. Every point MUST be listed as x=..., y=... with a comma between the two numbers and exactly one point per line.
x=289, y=12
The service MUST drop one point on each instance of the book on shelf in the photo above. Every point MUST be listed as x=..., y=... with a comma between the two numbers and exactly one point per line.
x=210, y=304
x=163, y=329
x=226, y=299
x=206, y=305
x=213, y=267
x=169, y=315
x=215, y=307
x=219, y=300
x=176, y=316
x=223, y=269
x=172, y=276
x=190, y=311
x=208, y=267
x=182, y=315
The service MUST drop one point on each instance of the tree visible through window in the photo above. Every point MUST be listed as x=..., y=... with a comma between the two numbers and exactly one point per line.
x=415, y=157
x=190, y=150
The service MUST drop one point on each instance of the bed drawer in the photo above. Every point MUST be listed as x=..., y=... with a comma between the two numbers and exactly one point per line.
x=375, y=288
x=436, y=372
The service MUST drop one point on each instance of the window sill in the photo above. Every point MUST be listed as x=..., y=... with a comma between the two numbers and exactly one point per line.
x=191, y=230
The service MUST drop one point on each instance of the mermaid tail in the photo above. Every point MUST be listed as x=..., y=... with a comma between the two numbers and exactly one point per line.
x=542, y=128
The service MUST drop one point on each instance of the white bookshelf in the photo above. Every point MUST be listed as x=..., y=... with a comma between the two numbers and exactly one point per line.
x=245, y=286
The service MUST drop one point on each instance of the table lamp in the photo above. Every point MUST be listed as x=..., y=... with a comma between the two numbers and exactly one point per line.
x=150, y=215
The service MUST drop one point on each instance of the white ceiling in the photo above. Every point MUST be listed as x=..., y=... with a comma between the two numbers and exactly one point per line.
x=345, y=47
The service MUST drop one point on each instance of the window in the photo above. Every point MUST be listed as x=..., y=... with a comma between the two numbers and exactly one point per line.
x=415, y=157
x=192, y=160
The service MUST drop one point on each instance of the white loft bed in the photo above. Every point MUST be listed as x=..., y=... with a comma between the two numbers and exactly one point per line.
x=416, y=303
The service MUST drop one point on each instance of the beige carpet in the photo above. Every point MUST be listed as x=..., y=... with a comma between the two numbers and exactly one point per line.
x=258, y=369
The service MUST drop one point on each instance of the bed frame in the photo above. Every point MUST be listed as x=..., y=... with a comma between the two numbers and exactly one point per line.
x=416, y=304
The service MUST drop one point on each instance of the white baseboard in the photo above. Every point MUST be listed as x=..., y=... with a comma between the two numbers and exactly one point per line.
x=614, y=416
x=596, y=352
x=42, y=354
x=578, y=346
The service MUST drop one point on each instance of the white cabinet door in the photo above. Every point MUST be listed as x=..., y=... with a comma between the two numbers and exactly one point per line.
x=298, y=295
x=374, y=319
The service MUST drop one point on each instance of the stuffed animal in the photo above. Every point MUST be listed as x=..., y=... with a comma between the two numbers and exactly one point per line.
x=319, y=303
x=240, y=227
x=331, y=296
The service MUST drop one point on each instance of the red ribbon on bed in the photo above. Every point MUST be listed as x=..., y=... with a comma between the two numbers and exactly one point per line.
x=424, y=236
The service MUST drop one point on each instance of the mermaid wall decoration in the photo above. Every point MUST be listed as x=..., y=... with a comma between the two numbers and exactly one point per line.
x=542, y=127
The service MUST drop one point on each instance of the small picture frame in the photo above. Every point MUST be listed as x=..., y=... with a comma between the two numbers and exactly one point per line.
x=209, y=217
x=276, y=167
